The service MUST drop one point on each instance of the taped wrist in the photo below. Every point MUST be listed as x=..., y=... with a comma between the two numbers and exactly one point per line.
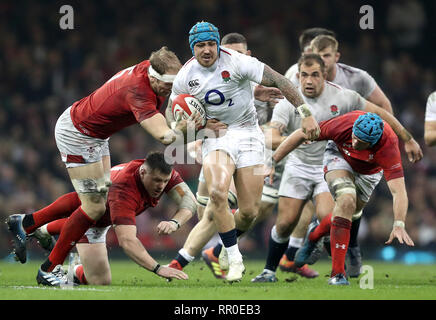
x=304, y=111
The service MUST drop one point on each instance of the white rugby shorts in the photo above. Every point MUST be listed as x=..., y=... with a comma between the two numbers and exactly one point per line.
x=365, y=183
x=244, y=145
x=95, y=235
x=76, y=148
x=302, y=181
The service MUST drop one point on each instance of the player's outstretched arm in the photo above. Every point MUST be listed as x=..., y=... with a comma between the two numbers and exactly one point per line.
x=273, y=134
x=397, y=188
x=133, y=247
x=412, y=148
x=289, y=144
x=272, y=78
x=186, y=208
x=157, y=126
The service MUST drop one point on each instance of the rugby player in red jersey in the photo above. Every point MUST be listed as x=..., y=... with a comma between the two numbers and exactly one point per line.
x=136, y=186
x=82, y=132
x=362, y=150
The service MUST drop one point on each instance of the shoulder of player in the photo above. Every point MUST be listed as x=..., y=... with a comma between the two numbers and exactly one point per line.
x=349, y=69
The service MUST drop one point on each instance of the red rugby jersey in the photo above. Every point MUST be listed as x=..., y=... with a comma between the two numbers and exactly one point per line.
x=385, y=155
x=125, y=99
x=127, y=196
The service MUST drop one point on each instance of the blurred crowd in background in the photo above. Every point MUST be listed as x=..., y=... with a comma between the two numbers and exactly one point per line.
x=44, y=69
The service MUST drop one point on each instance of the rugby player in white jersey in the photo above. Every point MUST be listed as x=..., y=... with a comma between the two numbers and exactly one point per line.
x=264, y=99
x=223, y=85
x=273, y=132
x=360, y=81
x=303, y=177
x=430, y=121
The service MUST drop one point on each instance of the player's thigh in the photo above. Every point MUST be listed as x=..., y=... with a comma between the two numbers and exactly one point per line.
x=94, y=259
x=249, y=185
x=218, y=169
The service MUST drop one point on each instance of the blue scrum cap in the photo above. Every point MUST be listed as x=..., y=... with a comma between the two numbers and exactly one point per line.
x=203, y=31
x=369, y=128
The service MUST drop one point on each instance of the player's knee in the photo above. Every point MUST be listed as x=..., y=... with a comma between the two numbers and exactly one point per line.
x=347, y=203
x=249, y=213
x=283, y=228
x=218, y=197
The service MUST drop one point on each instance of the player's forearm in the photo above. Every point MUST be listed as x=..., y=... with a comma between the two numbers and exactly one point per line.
x=400, y=200
x=272, y=78
x=288, y=145
x=398, y=128
x=182, y=216
x=136, y=251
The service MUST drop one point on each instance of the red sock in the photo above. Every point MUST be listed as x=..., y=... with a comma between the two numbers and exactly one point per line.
x=73, y=229
x=55, y=227
x=63, y=207
x=339, y=239
x=80, y=274
x=322, y=229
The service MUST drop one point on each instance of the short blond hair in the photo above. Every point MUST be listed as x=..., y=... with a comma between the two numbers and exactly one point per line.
x=164, y=60
x=322, y=42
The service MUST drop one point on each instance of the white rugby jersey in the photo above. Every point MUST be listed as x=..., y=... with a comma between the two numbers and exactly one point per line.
x=332, y=102
x=430, y=110
x=225, y=88
x=346, y=76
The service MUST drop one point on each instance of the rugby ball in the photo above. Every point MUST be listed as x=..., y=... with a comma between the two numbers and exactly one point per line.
x=184, y=105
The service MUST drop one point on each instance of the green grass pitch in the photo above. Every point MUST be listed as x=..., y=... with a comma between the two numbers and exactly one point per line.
x=391, y=281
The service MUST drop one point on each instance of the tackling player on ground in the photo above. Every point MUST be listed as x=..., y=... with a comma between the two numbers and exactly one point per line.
x=136, y=186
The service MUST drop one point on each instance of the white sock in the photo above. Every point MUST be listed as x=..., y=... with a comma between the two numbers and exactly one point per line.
x=186, y=255
x=43, y=229
x=296, y=242
x=233, y=253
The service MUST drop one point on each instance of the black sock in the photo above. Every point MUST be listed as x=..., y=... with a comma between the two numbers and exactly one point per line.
x=183, y=262
x=229, y=238
x=217, y=249
x=275, y=253
x=46, y=265
x=290, y=253
x=353, y=233
x=28, y=221
x=239, y=232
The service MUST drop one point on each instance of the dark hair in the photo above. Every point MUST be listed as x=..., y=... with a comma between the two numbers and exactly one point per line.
x=310, y=34
x=156, y=160
x=164, y=60
x=233, y=37
x=309, y=59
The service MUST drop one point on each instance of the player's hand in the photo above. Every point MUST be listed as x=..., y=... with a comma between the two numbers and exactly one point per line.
x=402, y=236
x=269, y=171
x=310, y=127
x=219, y=128
x=413, y=150
x=268, y=94
x=171, y=273
x=166, y=227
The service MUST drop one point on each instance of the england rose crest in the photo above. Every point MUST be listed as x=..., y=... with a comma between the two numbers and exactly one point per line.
x=334, y=109
x=225, y=75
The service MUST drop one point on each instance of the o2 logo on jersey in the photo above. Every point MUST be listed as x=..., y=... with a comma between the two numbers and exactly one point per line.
x=216, y=98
